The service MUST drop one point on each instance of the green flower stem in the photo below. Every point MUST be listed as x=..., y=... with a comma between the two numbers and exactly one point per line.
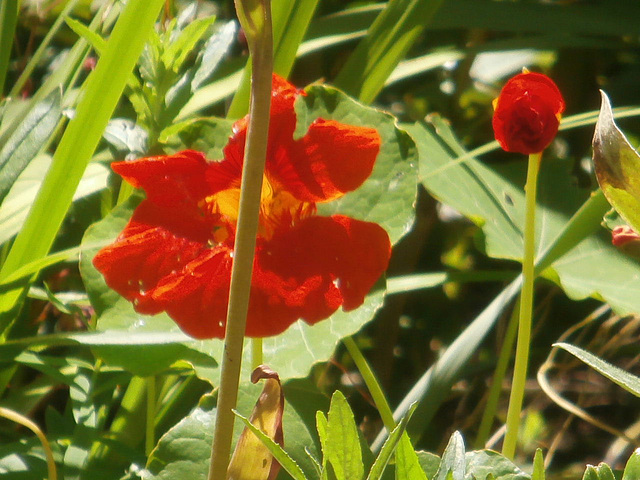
x=526, y=309
x=27, y=423
x=256, y=353
x=372, y=383
x=498, y=376
x=261, y=46
x=150, y=433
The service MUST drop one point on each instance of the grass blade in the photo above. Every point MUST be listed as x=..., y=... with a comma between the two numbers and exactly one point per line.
x=8, y=21
x=388, y=40
x=100, y=96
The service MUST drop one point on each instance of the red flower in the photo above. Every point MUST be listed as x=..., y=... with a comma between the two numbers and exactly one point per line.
x=527, y=113
x=175, y=253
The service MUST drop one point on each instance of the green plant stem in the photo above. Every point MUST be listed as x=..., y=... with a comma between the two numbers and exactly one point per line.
x=25, y=422
x=35, y=58
x=526, y=309
x=8, y=22
x=256, y=353
x=372, y=383
x=150, y=432
x=498, y=376
x=244, y=249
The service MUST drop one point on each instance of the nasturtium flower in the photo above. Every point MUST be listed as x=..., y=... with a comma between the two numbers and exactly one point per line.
x=175, y=253
x=527, y=113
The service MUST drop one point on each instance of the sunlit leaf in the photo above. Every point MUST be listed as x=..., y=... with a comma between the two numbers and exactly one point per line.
x=624, y=379
x=617, y=166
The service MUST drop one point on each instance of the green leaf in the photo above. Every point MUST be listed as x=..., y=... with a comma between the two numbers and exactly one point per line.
x=392, y=34
x=27, y=140
x=632, y=468
x=101, y=93
x=342, y=445
x=19, y=199
x=184, y=451
x=538, y=466
x=429, y=463
x=95, y=40
x=8, y=22
x=387, y=196
x=214, y=52
x=601, y=472
x=624, y=379
x=590, y=473
x=482, y=463
x=617, y=166
x=389, y=447
x=452, y=465
x=177, y=52
x=493, y=198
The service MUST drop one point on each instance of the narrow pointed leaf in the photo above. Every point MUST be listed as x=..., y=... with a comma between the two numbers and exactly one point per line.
x=617, y=166
x=381, y=461
x=624, y=379
x=27, y=140
x=342, y=446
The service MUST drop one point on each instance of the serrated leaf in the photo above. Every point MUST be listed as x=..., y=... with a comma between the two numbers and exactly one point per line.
x=632, y=468
x=213, y=52
x=452, y=465
x=617, y=166
x=411, y=466
x=389, y=447
x=342, y=445
x=176, y=53
x=28, y=139
x=624, y=379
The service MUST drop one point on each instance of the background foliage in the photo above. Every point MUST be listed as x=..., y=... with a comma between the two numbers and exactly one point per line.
x=119, y=395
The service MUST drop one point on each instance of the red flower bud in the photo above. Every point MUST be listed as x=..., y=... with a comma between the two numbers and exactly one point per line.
x=527, y=113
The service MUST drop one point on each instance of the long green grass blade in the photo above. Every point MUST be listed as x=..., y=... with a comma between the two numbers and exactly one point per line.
x=8, y=21
x=42, y=48
x=100, y=96
x=290, y=23
x=387, y=42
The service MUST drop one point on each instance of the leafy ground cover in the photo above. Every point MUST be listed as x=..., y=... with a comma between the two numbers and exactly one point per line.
x=414, y=382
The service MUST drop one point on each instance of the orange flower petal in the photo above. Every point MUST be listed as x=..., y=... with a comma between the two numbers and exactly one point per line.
x=168, y=180
x=329, y=161
x=146, y=251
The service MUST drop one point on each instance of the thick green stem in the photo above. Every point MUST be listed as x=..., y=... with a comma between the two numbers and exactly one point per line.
x=244, y=249
x=256, y=353
x=150, y=432
x=498, y=377
x=526, y=309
